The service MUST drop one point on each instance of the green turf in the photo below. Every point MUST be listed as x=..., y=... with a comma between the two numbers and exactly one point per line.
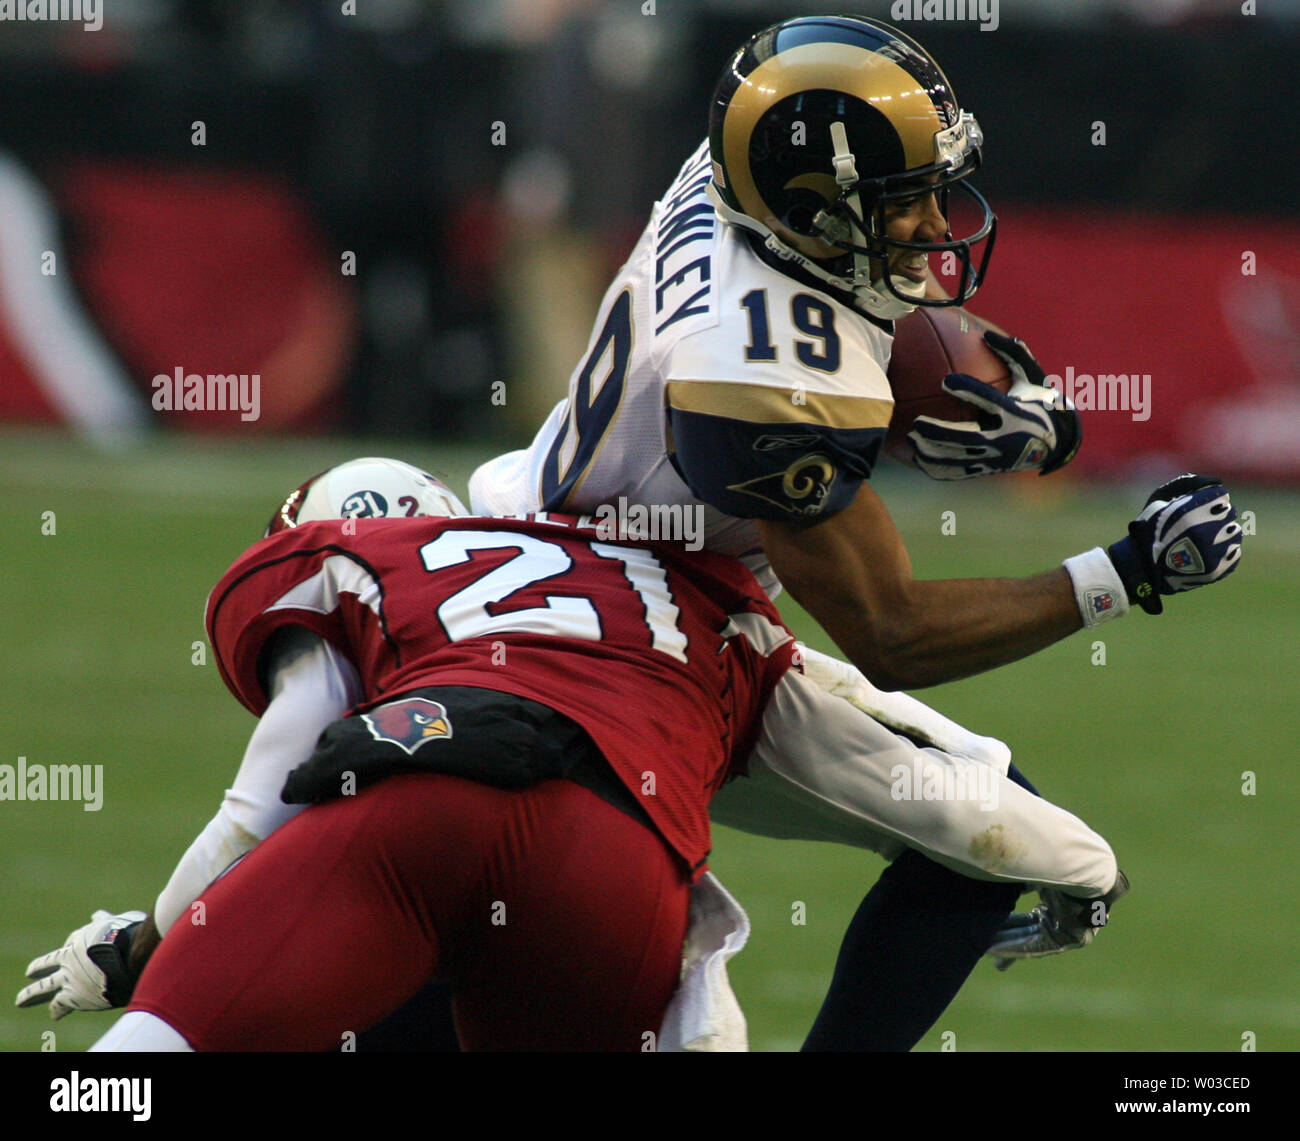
x=97, y=626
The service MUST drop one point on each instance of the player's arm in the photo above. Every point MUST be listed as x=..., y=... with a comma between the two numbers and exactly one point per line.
x=310, y=685
x=852, y=573
x=793, y=449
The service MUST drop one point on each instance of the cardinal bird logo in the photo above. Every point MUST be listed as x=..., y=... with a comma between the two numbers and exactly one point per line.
x=409, y=723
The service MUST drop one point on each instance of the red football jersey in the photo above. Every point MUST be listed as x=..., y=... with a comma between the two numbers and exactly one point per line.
x=665, y=657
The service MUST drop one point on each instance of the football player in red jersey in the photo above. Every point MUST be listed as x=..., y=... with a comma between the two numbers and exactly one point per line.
x=565, y=708
x=338, y=616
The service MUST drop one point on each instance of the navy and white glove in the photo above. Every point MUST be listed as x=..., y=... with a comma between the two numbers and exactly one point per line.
x=1059, y=923
x=1031, y=426
x=1187, y=535
x=90, y=971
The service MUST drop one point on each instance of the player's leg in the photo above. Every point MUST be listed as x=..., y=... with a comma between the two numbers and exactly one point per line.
x=909, y=949
x=342, y=914
x=824, y=770
x=325, y=927
x=139, y=1032
x=424, y=1025
x=576, y=940
x=912, y=944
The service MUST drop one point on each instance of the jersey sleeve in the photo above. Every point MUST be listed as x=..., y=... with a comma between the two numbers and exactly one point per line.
x=312, y=685
x=787, y=437
x=297, y=578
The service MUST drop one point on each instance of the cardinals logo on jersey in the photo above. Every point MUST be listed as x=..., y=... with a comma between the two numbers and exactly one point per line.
x=409, y=723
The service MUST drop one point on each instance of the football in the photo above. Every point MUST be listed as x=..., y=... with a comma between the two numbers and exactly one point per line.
x=928, y=345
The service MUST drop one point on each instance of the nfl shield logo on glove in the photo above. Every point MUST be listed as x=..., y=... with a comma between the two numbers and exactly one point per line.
x=1183, y=556
x=1033, y=455
x=409, y=723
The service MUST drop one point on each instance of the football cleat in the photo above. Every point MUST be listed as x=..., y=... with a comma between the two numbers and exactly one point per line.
x=818, y=124
x=370, y=488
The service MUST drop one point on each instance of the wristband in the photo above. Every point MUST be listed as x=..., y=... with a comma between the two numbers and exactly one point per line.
x=1098, y=589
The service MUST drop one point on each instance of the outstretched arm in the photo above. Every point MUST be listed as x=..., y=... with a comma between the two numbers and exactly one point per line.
x=853, y=575
x=311, y=684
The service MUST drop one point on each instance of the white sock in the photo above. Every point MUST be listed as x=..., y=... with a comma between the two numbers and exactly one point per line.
x=138, y=1031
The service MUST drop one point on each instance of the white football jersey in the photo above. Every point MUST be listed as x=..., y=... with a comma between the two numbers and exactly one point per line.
x=712, y=381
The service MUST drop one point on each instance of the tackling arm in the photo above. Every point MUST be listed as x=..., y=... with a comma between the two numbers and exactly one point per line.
x=310, y=684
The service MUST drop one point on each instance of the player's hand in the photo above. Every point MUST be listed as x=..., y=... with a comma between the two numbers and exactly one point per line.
x=90, y=971
x=1030, y=426
x=1059, y=923
x=1187, y=535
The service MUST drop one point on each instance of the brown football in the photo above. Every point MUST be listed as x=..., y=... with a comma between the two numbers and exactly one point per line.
x=928, y=345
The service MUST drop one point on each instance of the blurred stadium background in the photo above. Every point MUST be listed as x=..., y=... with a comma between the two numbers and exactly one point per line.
x=402, y=220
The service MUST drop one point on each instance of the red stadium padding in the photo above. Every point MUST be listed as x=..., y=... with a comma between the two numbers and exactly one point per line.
x=222, y=273
x=21, y=397
x=219, y=273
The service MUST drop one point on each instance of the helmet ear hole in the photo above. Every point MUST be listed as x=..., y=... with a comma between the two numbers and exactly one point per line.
x=800, y=217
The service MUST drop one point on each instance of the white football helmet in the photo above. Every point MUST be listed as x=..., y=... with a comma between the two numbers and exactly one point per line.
x=369, y=488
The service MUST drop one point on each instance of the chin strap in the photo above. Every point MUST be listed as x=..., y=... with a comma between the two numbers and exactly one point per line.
x=873, y=298
x=846, y=176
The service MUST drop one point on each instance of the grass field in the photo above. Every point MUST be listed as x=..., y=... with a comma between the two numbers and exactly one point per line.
x=98, y=624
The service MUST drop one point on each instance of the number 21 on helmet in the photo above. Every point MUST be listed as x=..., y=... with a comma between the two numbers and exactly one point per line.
x=369, y=488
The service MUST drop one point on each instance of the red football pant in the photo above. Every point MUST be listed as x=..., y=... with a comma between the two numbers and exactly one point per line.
x=557, y=918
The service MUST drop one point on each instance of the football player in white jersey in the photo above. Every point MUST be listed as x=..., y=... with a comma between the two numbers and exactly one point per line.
x=737, y=368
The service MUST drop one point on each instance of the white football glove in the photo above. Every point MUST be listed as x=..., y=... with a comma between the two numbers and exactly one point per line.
x=1186, y=536
x=1059, y=923
x=1031, y=427
x=90, y=971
